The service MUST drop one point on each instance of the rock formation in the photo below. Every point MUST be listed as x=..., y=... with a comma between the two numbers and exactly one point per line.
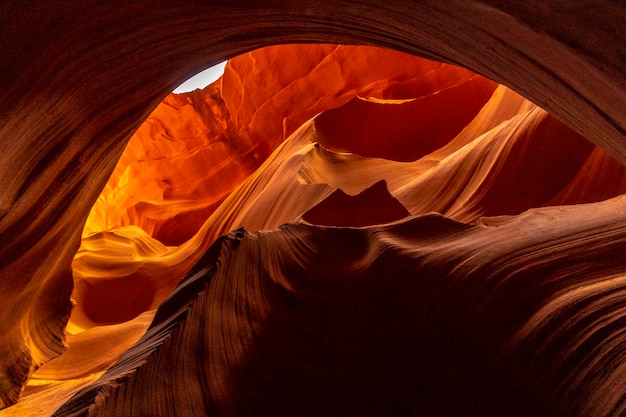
x=345, y=293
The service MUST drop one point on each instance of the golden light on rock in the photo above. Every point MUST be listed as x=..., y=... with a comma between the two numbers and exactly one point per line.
x=328, y=229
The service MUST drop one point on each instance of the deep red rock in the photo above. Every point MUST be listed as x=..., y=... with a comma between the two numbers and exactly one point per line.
x=79, y=80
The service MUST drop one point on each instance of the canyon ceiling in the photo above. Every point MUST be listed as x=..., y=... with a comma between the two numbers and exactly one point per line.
x=432, y=223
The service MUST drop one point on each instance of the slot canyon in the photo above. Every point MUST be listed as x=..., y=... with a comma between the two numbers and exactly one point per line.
x=412, y=208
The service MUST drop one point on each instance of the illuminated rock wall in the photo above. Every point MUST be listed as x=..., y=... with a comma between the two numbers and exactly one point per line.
x=79, y=81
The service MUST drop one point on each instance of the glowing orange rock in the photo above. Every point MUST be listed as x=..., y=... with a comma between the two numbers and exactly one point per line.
x=404, y=130
x=197, y=148
x=466, y=179
x=78, y=80
x=178, y=167
x=299, y=176
x=175, y=170
x=328, y=76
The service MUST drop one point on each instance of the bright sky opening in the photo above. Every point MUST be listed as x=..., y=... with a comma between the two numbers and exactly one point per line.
x=202, y=79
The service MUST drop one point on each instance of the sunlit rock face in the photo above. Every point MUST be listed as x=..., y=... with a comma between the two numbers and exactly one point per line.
x=419, y=240
x=179, y=165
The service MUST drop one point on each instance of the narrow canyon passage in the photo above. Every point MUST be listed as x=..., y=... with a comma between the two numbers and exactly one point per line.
x=326, y=230
x=380, y=151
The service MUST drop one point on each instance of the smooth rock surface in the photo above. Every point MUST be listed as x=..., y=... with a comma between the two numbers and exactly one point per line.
x=78, y=80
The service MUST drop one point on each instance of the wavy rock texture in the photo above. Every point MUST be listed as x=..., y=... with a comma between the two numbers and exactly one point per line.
x=79, y=80
x=302, y=324
x=264, y=96
x=427, y=316
x=125, y=247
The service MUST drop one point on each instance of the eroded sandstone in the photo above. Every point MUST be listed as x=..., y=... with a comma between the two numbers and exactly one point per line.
x=78, y=82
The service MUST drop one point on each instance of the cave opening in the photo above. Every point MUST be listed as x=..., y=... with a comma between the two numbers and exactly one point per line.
x=202, y=79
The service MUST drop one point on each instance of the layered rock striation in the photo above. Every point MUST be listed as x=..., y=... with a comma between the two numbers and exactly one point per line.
x=354, y=148
x=426, y=316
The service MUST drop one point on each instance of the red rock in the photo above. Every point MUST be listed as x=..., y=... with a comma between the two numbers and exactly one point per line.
x=404, y=130
x=78, y=81
x=371, y=207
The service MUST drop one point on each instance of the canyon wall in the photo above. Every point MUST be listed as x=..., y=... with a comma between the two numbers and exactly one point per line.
x=79, y=80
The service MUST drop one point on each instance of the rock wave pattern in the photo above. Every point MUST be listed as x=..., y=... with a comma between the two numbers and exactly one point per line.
x=328, y=229
x=424, y=316
x=366, y=301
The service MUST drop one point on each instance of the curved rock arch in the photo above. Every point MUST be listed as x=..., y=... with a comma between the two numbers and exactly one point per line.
x=78, y=79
